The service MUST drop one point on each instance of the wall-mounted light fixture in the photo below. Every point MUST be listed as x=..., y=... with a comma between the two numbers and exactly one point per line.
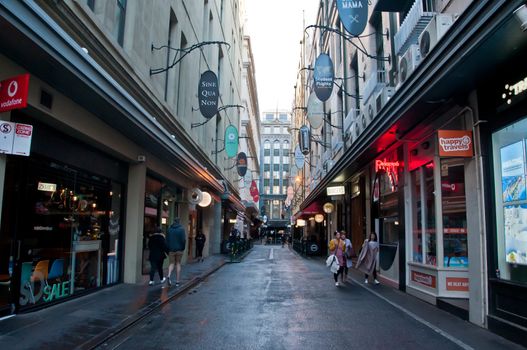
x=319, y=218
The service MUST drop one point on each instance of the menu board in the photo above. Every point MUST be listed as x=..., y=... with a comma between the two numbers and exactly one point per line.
x=513, y=174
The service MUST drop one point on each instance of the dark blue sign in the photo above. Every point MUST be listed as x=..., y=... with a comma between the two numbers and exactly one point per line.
x=241, y=164
x=353, y=15
x=305, y=139
x=323, y=76
x=208, y=92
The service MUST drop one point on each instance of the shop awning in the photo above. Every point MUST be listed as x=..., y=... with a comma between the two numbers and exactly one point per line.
x=312, y=209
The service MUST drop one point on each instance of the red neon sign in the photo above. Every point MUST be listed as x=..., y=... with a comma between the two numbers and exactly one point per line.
x=391, y=169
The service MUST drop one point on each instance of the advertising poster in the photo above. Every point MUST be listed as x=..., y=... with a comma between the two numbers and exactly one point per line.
x=513, y=172
x=515, y=221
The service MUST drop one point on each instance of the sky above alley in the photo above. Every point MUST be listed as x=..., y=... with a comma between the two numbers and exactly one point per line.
x=275, y=28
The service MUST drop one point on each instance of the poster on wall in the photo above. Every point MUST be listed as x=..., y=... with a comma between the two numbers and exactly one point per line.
x=515, y=220
x=513, y=172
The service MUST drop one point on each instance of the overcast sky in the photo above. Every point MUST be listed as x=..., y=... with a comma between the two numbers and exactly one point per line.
x=275, y=27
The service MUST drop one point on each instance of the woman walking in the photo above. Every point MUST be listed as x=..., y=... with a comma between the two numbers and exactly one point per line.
x=367, y=262
x=200, y=243
x=347, y=254
x=337, y=247
x=158, y=252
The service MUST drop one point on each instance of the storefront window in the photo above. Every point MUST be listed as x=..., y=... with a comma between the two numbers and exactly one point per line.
x=67, y=228
x=509, y=156
x=454, y=213
x=424, y=215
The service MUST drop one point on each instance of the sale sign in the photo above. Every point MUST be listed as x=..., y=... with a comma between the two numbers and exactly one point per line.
x=13, y=93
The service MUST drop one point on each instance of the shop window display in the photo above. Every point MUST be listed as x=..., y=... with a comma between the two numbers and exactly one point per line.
x=424, y=238
x=66, y=230
x=455, y=246
x=510, y=171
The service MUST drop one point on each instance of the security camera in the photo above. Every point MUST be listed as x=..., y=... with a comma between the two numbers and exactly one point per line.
x=521, y=15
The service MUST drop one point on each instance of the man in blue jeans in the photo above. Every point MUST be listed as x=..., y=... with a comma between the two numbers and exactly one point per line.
x=176, y=241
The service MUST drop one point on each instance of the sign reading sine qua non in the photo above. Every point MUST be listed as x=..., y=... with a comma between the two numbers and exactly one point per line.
x=208, y=92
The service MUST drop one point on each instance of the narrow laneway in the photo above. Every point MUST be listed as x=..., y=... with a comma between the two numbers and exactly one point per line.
x=275, y=299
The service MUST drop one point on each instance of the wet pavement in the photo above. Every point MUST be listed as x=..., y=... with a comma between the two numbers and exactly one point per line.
x=86, y=321
x=276, y=299
x=272, y=299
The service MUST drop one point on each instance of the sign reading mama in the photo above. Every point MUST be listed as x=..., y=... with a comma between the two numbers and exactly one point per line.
x=13, y=93
x=323, y=77
x=455, y=143
x=208, y=92
x=354, y=15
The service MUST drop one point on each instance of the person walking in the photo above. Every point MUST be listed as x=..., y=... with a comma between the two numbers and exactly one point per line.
x=176, y=241
x=200, y=244
x=347, y=255
x=158, y=252
x=337, y=247
x=367, y=261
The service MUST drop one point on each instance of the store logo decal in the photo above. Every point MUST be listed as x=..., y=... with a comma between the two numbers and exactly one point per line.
x=455, y=144
x=514, y=90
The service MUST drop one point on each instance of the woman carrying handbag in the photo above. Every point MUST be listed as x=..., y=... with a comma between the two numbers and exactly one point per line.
x=337, y=248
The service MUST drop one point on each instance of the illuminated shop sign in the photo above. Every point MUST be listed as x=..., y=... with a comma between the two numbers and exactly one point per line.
x=336, y=190
x=512, y=90
x=455, y=143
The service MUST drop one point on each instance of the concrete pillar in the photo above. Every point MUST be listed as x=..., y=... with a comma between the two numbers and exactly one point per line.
x=135, y=210
x=216, y=230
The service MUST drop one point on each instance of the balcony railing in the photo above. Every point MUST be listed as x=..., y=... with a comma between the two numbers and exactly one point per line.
x=420, y=14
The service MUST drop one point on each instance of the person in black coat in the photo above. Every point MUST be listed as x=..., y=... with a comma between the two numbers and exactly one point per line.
x=158, y=252
x=200, y=244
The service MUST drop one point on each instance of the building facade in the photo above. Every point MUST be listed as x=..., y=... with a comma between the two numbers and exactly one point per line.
x=433, y=156
x=275, y=171
x=112, y=108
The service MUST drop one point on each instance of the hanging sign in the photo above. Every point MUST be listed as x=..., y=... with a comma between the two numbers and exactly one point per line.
x=455, y=143
x=253, y=190
x=299, y=158
x=13, y=93
x=354, y=15
x=231, y=141
x=315, y=111
x=248, y=177
x=15, y=138
x=336, y=190
x=208, y=93
x=323, y=77
x=305, y=139
x=241, y=164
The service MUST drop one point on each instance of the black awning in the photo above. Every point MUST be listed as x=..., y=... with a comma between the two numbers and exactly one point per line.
x=393, y=5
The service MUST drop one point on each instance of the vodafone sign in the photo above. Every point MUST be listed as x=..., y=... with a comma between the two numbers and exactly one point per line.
x=13, y=93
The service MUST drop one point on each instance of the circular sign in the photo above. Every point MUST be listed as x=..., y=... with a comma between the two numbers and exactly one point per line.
x=353, y=15
x=231, y=141
x=208, y=93
x=299, y=158
x=313, y=248
x=328, y=208
x=323, y=77
x=241, y=164
x=315, y=111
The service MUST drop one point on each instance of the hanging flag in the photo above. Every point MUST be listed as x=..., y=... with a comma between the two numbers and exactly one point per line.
x=353, y=15
x=323, y=77
x=231, y=141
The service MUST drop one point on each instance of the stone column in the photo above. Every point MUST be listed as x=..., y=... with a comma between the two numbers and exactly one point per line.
x=135, y=210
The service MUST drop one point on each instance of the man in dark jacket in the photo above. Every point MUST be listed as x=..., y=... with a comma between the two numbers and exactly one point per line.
x=176, y=241
x=158, y=252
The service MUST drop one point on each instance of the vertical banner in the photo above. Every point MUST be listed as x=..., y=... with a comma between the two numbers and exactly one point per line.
x=208, y=93
x=354, y=15
x=231, y=141
x=323, y=77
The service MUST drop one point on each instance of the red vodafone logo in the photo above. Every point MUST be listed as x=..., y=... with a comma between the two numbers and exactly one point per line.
x=12, y=88
x=13, y=93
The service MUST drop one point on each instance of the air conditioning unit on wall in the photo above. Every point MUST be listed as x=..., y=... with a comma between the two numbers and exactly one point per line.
x=408, y=63
x=382, y=97
x=433, y=32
